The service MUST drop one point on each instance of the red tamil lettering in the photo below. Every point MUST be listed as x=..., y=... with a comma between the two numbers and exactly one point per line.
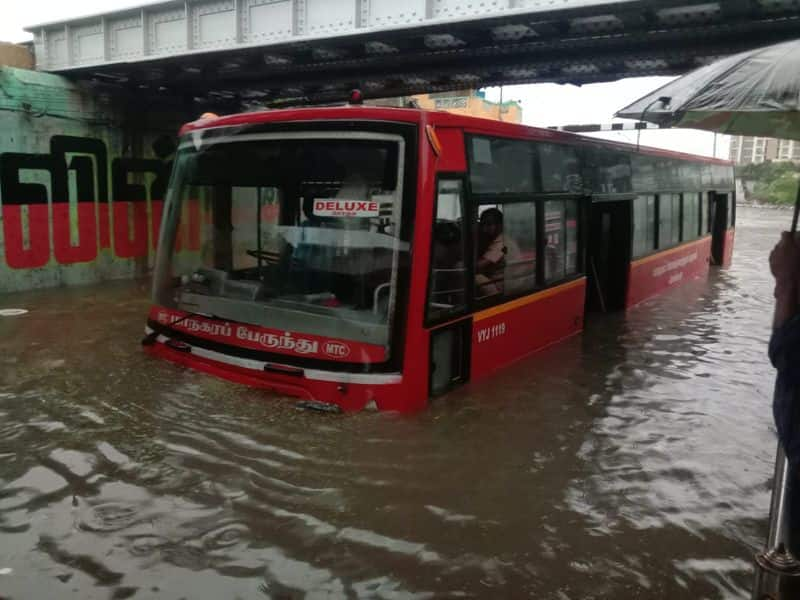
x=104, y=218
x=156, y=214
x=37, y=253
x=86, y=249
x=126, y=246
x=194, y=225
x=188, y=235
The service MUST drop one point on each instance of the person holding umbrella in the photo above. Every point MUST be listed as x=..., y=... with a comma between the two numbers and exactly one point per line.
x=784, y=262
x=784, y=352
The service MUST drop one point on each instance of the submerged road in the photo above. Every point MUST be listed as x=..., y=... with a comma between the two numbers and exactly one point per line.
x=630, y=462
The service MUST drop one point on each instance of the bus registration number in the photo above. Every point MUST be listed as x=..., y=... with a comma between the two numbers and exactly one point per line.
x=490, y=333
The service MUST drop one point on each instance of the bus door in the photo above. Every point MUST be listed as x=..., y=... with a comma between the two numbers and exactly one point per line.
x=447, y=316
x=608, y=255
x=449, y=356
x=721, y=221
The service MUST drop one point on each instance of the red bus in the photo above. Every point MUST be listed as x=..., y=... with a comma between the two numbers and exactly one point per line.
x=376, y=257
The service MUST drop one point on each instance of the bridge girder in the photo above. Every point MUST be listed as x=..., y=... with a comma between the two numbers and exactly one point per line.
x=204, y=50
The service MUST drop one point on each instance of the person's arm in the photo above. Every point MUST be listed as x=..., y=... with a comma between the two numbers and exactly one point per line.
x=493, y=255
x=784, y=345
x=784, y=261
x=785, y=305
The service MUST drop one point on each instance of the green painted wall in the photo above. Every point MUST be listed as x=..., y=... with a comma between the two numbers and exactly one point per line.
x=79, y=171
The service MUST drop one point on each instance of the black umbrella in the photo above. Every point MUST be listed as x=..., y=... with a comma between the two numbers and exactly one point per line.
x=753, y=93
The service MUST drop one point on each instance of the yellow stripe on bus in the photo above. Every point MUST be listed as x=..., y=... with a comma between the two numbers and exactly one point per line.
x=520, y=302
x=687, y=246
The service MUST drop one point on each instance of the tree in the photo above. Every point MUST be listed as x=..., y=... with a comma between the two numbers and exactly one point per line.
x=783, y=190
x=766, y=171
x=775, y=182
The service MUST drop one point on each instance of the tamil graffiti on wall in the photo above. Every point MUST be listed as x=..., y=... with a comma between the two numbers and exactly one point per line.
x=42, y=220
x=73, y=204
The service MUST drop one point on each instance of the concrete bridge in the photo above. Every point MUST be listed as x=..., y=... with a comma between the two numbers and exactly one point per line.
x=229, y=52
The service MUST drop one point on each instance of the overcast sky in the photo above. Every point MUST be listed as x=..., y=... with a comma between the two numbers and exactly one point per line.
x=543, y=104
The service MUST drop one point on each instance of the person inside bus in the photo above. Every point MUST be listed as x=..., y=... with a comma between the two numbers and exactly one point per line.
x=495, y=251
x=784, y=352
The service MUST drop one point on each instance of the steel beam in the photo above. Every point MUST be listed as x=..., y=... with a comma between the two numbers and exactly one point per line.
x=274, y=49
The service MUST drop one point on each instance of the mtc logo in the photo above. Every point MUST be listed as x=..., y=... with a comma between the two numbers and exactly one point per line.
x=336, y=349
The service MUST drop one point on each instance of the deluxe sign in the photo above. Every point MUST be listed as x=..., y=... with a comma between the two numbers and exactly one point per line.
x=329, y=207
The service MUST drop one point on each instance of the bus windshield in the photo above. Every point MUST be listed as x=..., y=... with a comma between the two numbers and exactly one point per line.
x=292, y=231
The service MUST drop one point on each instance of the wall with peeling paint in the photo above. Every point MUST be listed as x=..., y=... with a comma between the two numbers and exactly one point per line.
x=82, y=177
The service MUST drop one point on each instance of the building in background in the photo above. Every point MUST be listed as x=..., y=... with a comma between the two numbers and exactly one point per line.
x=15, y=55
x=472, y=103
x=468, y=102
x=789, y=150
x=746, y=150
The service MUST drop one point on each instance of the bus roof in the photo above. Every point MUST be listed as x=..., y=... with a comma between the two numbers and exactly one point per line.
x=432, y=117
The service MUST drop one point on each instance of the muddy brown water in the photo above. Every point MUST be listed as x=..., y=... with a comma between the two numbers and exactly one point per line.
x=632, y=461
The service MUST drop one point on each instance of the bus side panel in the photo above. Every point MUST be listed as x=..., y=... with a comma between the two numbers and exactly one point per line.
x=453, y=158
x=659, y=272
x=416, y=348
x=727, y=250
x=507, y=333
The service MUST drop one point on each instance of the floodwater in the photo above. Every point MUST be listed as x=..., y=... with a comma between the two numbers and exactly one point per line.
x=632, y=461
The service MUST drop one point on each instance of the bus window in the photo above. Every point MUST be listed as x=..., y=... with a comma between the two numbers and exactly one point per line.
x=691, y=214
x=644, y=172
x=500, y=166
x=676, y=218
x=712, y=211
x=669, y=223
x=555, y=240
x=607, y=171
x=731, y=211
x=559, y=168
x=572, y=237
x=505, y=262
x=644, y=221
x=705, y=226
x=263, y=203
x=447, y=278
x=520, y=230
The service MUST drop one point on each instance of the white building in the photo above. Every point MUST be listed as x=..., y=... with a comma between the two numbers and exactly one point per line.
x=746, y=150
